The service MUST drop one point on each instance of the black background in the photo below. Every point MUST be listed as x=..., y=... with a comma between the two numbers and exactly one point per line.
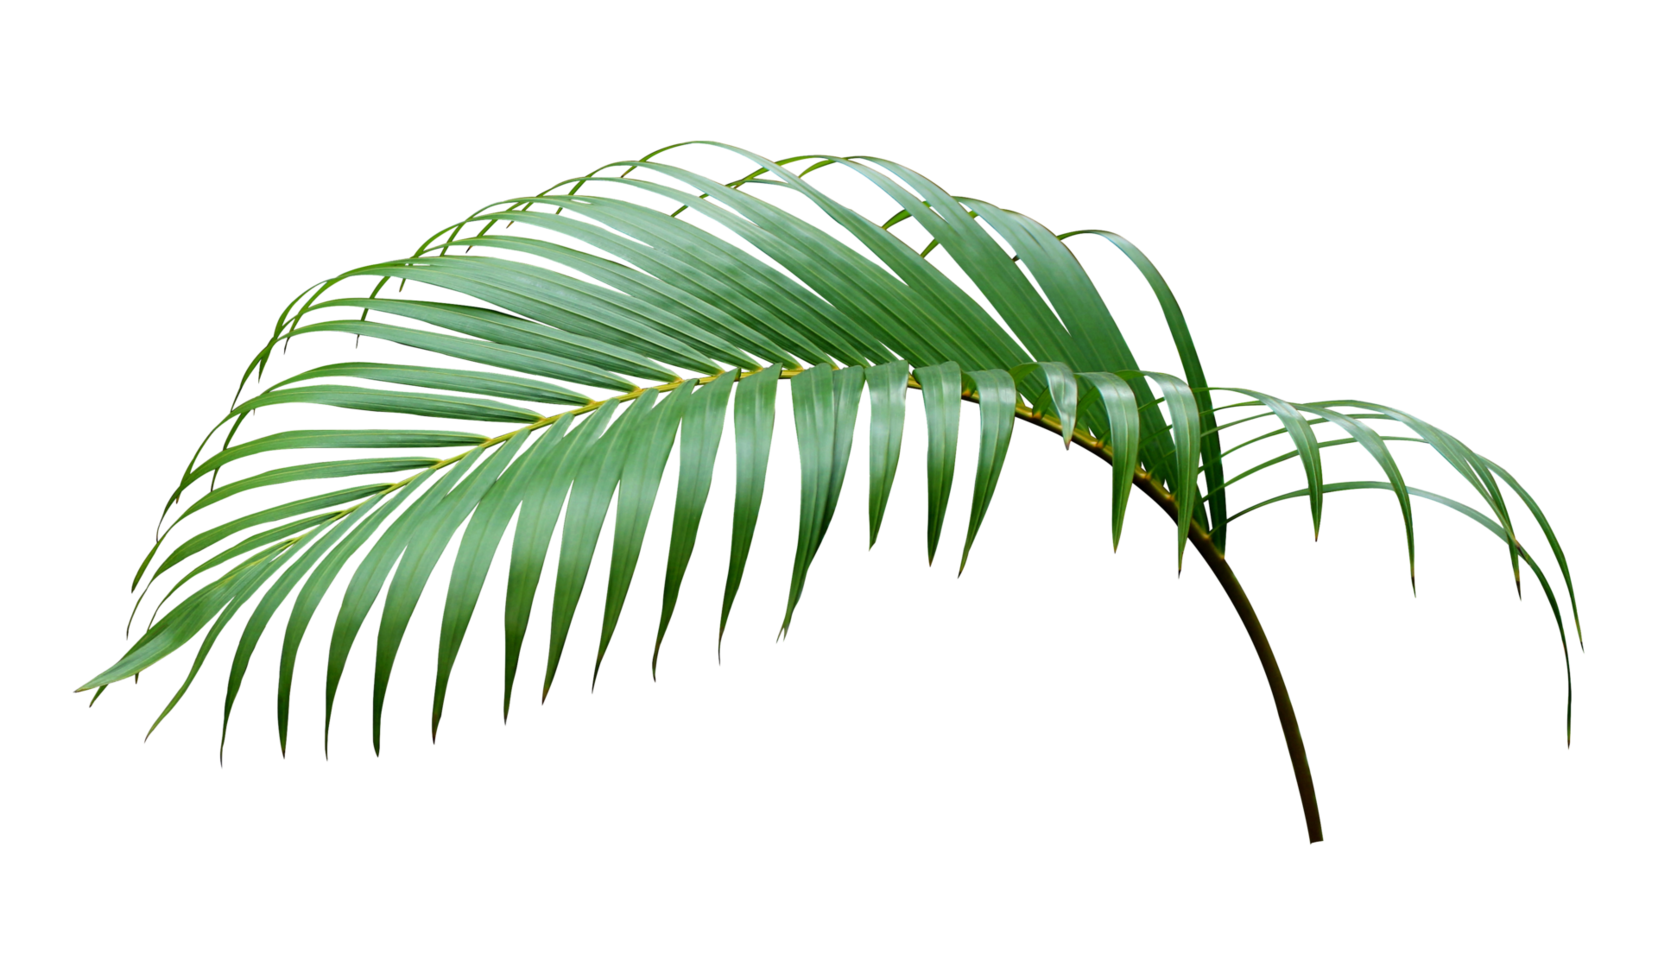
x=1056, y=698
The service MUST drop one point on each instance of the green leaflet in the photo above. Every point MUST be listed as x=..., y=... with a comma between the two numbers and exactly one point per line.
x=753, y=416
x=888, y=385
x=208, y=538
x=709, y=268
x=1213, y=476
x=1274, y=461
x=1123, y=415
x=484, y=352
x=673, y=309
x=294, y=571
x=261, y=617
x=1185, y=427
x=329, y=439
x=542, y=295
x=642, y=274
x=177, y=627
x=546, y=485
x=403, y=403
x=445, y=379
x=1483, y=521
x=1548, y=533
x=1098, y=341
x=1306, y=446
x=1378, y=450
x=310, y=595
x=1003, y=284
x=941, y=399
x=427, y=540
x=1058, y=393
x=329, y=470
x=596, y=476
x=635, y=498
x=568, y=349
x=1469, y=464
x=250, y=543
x=997, y=398
x=477, y=551
x=963, y=328
x=824, y=405
x=699, y=445
x=364, y=586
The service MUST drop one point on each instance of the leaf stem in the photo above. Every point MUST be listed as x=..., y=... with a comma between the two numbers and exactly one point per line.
x=1216, y=560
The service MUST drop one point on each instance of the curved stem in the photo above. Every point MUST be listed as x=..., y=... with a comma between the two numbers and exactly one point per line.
x=1216, y=560
x=1275, y=679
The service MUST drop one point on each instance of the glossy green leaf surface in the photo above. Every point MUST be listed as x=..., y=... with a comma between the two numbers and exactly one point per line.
x=755, y=413
x=588, y=331
x=887, y=388
x=941, y=399
x=702, y=428
x=996, y=397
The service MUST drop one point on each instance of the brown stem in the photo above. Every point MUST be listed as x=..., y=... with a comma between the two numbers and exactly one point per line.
x=1212, y=556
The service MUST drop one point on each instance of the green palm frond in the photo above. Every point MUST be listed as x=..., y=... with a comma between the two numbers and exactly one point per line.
x=573, y=338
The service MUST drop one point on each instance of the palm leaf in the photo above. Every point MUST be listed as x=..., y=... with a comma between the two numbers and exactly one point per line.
x=589, y=329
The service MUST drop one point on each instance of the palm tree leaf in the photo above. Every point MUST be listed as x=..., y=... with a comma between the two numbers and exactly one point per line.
x=1469, y=464
x=1122, y=412
x=556, y=462
x=327, y=470
x=752, y=417
x=366, y=582
x=261, y=617
x=699, y=446
x=887, y=388
x=624, y=216
x=824, y=403
x=1548, y=532
x=446, y=379
x=328, y=568
x=488, y=524
x=709, y=268
x=1306, y=447
x=485, y=352
x=1490, y=525
x=206, y=539
x=427, y=542
x=541, y=294
x=635, y=497
x=294, y=571
x=1191, y=366
x=561, y=349
x=663, y=303
x=597, y=473
x=1373, y=444
x=996, y=397
x=685, y=286
x=941, y=398
x=634, y=314
x=1317, y=446
x=401, y=402
x=1185, y=426
x=329, y=439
